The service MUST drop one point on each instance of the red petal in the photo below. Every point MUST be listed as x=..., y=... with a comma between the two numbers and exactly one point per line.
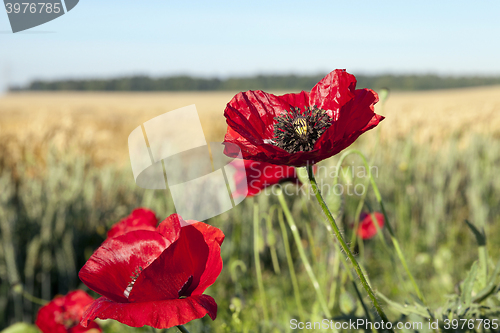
x=182, y=263
x=45, y=319
x=237, y=141
x=212, y=235
x=109, y=270
x=187, y=267
x=170, y=228
x=91, y=326
x=367, y=228
x=252, y=113
x=247, y=148
x=250, y=116
x=356, y=114
x=69, y=308
x=356, y=117
x=157, y=314
x=259, y=175
x=139, y=219
x=213, y=238
x=300, y=100
x=333, y=91
x=75, y=302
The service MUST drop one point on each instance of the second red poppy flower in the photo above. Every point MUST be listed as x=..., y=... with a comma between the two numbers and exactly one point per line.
x=155, y=278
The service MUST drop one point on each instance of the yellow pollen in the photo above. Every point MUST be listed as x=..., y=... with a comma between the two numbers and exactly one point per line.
x=300, y=126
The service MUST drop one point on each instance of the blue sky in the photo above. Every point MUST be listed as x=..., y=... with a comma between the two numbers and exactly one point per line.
x=226, y=38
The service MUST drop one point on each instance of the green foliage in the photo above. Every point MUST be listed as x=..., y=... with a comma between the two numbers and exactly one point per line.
x=60, y=214
x=21, y=328
x=473, y=302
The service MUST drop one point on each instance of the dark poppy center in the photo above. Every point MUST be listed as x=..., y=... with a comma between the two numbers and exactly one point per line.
x=298, y=130
x=67, y=319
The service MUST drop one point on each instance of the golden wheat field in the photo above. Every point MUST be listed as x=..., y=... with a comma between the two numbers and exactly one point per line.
x=98, y=124
x=438, y=155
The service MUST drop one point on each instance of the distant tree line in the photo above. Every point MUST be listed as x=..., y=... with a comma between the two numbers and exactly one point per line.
x=262, y=82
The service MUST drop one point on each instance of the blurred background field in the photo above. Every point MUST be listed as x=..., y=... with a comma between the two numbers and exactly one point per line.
x=65, y=178
x=99, y=123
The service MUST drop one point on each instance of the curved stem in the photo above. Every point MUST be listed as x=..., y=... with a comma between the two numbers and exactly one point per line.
x=361, y=203
x=343, y=244
x=33, y=299
x=302, y=253
x=182, y=329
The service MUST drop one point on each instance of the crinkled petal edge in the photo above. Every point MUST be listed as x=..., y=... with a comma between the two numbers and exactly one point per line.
x=158, y=314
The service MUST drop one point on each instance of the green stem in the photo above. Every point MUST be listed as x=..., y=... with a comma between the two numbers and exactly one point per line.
x=303, y=256
x=336, y=275
x=349, y=274
x=483, y=263
x=311, y=243
x=379, y=233
x=10, y=261
x=346, y=249
x=234, y=275
x=272, y=239
x=361, y=203
x=32, y=298
x=293, y=277
x=489, y=288
x=257, y=260
x=182, y=329
x=336, y=271
x=386, y=248
x=368, y=318
x=388, y=225
x=395, y=242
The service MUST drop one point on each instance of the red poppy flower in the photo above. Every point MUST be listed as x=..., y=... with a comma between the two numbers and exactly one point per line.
x=367, y=229
x=139, y=219
x=155, y=278
x=300, y=129
x=63, y=314
x=259, y=175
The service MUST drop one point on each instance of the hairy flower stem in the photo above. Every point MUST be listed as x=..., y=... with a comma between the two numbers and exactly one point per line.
x=351, y=277
x=302, y=253
x=182, y=329
x=343, y=244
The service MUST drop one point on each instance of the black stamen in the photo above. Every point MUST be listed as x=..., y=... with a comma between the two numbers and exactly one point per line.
x=298, y=130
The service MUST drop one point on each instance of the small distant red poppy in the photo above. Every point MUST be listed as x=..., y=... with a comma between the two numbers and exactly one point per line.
x=300, y=129
x=367, y=229
x=63, y=314
x=155, y=278
x=139, y=219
